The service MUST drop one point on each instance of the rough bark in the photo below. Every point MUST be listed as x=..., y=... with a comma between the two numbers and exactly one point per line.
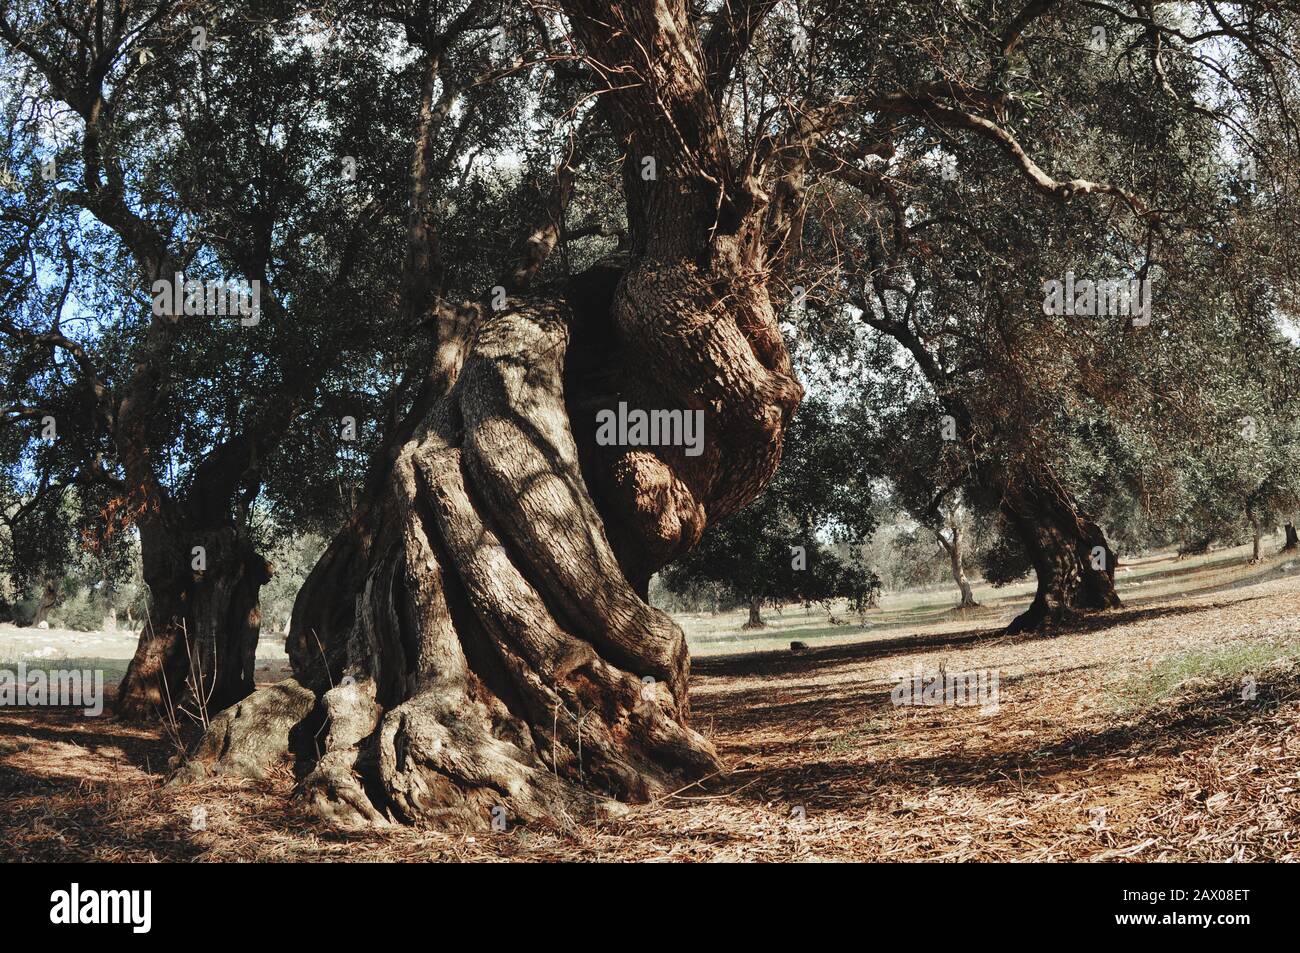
x=487, y=650
x=755, y=620
x=199, y=638
x=1256, y=540
x=478, y=634
x=1292, y=540
x=1073, y=562
x=249, y=737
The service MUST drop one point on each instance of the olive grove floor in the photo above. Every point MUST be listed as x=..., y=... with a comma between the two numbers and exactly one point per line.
x=1166, y=730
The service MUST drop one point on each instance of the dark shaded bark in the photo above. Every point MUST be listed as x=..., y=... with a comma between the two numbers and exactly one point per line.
x=1292, y=540
x=755, y=620
x=199, y=639
x=1073, y=562
x=49, y=592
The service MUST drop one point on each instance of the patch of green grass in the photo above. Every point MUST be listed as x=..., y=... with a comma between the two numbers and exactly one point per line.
x=113, y=668
x=1225, y=666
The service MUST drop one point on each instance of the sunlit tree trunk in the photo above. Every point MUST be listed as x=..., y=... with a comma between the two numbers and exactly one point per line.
x=953, y=546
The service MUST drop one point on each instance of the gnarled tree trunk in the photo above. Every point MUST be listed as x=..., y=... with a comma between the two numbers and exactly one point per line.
x=1073, y=562
x=486, y=637
x=478, y=633
x=755, y=620
x=1292, y=540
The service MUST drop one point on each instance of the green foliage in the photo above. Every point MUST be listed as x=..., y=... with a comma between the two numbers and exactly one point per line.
x=799, y=540
x=292, y=558
x=938, y=311
x=236, y=155
x=83, y=612
x=25, y=610
x=1004, y=561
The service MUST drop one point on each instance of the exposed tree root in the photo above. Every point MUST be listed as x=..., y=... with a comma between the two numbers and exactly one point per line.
x=250, y=737
x=498, y=663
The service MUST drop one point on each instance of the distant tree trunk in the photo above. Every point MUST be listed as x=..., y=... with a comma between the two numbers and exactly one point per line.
x=49, y=595
x=963, y=584
x=1257, y=536
x=1292, y=541
x=1072, y=560
x=755, y=617
x=954, y=549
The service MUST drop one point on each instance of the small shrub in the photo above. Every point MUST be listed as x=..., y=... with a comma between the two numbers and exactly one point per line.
x=80, y=613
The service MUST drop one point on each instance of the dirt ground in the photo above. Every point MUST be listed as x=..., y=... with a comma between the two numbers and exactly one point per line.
x=1166, y=730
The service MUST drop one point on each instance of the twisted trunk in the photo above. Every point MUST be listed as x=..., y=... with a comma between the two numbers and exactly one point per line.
x=487, y=639
x=755, y=620
x=1073, y=562
x=1292, y=540
x=478, y=634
